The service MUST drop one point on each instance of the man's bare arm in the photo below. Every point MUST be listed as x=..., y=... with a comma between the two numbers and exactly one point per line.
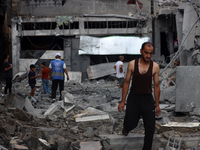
x=121, y=68
x=126, y=86
x=157, y=88
x=66, y=74
x=114, y=67
x=50, y=70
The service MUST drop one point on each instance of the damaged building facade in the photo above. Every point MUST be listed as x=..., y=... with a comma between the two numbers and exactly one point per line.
x=88, y=117
x=43, y=28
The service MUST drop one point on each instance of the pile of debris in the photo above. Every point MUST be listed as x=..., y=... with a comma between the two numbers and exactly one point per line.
x=87, y=118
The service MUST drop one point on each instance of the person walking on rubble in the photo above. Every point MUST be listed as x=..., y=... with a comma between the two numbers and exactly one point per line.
x=7, y=74
x=140, y=101
x=119, y=67
x=45, y=78
x=57, y=68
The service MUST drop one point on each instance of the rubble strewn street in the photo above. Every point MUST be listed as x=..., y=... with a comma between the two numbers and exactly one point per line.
x=86, y=118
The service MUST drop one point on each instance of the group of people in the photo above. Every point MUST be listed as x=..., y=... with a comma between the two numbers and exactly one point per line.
x=140, y=101
x=55, y=72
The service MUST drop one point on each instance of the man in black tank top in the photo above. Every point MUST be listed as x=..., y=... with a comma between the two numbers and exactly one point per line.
x=140, y=102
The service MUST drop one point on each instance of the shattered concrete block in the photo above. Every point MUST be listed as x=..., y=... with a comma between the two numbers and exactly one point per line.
x=92, y=118
x=187, y=89
x=63, y=144
x=10, y=129
x=182, y=124
x=11, y=109
x=173, y=144
x=20, y=147
x=90, y=145
x=53, y=108
x=91, y=114
x=168, y=93
x=22, y=115
x=3, y=148
x=44, y=132
x=44, y=143
x=131, y=142
x=28, y=106
x=19, y=102
x=12, y=143
x=68, y=99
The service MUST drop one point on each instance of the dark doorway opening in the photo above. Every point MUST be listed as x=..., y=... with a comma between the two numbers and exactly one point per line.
x=164, y=47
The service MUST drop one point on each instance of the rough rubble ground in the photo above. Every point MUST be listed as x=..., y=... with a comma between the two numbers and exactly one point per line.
x=60, y=131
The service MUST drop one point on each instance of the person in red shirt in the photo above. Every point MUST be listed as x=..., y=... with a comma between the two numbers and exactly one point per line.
x=45, y=78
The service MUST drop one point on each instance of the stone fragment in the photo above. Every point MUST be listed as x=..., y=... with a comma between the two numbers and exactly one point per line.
x=52, y=109
x=68, y=99
x=19, y=102
x=91, y=114
x=44, y=143
x=3, y=148
x=20, y=147
x=22, y=115
x=90, y=145
x=63, y=144
x=28, y=106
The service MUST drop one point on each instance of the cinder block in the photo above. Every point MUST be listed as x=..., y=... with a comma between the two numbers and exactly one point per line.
x=173, y=144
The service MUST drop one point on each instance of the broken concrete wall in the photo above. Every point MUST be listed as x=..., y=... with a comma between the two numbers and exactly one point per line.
x=187, y=89
x=84, y=7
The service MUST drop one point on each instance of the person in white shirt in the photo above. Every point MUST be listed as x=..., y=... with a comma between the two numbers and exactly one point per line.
x=119, y=67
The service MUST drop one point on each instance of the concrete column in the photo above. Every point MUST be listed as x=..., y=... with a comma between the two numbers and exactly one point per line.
x=16, y=46
x=157, y=47
x=67, y=53
x=179, y=26
x=189, y=18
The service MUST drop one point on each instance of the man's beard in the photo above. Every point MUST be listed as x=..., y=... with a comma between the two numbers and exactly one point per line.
x=145, y=59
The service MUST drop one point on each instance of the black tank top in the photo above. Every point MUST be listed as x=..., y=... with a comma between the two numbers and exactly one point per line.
x=142, y=83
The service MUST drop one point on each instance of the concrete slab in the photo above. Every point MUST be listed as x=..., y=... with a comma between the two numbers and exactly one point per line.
x=3, y=148
x=187, y=89
x=91, y=114
x=168, y=93
x=28, y=106
x=75, y=76
x=53, y=108
x=132, y=141
x=90, y=145
x=101, y=70
x=182, y=124
x=20, y=147
x=19, y=102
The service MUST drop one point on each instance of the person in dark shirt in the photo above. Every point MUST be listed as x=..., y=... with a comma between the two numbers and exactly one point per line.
x=140, y=101
x=31, y=79
x=7, y=74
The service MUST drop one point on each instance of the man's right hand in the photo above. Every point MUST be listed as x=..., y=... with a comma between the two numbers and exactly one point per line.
x=121, y=107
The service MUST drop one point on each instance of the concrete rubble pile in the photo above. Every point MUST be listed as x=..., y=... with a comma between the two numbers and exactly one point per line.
x=87, y=118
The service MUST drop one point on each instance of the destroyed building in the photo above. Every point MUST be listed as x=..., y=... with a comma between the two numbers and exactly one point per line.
x=88, y=117
x=43, y=27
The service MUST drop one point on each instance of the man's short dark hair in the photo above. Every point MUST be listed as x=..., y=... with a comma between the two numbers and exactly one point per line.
x=43, y=63
x=5, y=56
x=145, y=43
x=57, y=56
x=32, y=66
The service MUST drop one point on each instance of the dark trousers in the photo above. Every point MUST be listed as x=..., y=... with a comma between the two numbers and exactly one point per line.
x=8, y=85
x=141, y=106
x=55, y=86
